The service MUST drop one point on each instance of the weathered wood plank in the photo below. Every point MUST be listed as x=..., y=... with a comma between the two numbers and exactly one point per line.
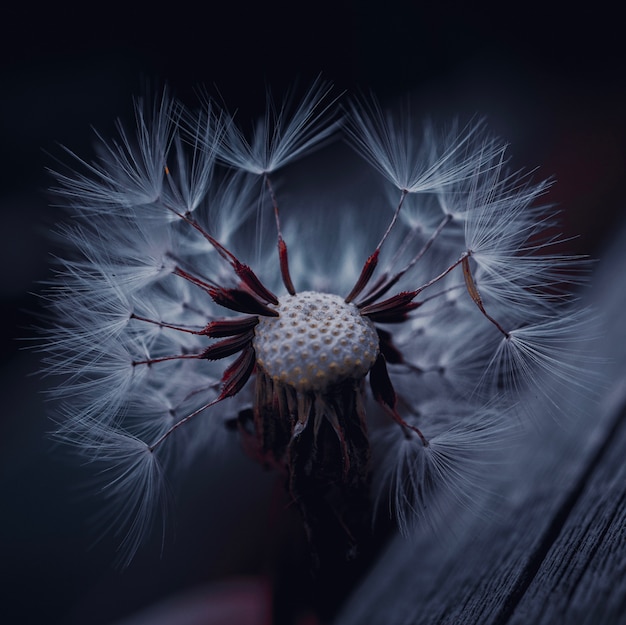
x=557, y=551
x=583, y=577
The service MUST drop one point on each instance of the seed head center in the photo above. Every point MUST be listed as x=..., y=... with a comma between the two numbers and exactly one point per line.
x=316, y=341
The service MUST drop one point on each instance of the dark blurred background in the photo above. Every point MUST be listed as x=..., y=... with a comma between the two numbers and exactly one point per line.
x=549, y=77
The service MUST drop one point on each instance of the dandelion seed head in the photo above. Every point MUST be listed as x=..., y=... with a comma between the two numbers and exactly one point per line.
x=427, y=310
x=316, y=341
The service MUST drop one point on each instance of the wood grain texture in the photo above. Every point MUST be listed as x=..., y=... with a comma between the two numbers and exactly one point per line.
x=582, y=579
x=554, y=550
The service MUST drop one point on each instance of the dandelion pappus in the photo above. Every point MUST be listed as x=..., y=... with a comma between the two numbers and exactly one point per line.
x=371, y=352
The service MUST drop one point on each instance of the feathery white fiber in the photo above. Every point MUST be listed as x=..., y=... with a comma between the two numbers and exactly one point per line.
x=281, y=136
x=157, y=308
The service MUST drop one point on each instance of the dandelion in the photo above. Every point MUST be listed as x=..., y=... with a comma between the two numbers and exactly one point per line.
x=369, y=352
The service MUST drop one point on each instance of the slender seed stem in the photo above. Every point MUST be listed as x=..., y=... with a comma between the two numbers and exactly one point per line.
x=233, y=380
x=182, y=422
x=372, y=260
x=283, y=255
x=443, y=274
x=163, y=324
x=152, y=361
x=394, y=219
x=475, y=295
x=387, y=282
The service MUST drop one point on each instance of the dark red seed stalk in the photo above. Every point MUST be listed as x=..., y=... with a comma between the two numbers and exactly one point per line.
x=399, y=304
x=229, y=327
x=364, y=278
x=234, y=379
x=283, y=255
x=249, y=279
x=389, y=351
x=384, y=283
x=372, y=261
x=475, y=295
x=385, y=395
x=153, y=361
x=234, y=299
x=227, y=347
x=241, y=301
x=244, y=272
x=236, y=376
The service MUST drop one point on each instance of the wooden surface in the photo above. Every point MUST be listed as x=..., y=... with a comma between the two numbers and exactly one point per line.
x=554, y=551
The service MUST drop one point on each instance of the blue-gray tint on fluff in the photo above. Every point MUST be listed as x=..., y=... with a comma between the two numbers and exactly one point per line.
x=377, y=349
